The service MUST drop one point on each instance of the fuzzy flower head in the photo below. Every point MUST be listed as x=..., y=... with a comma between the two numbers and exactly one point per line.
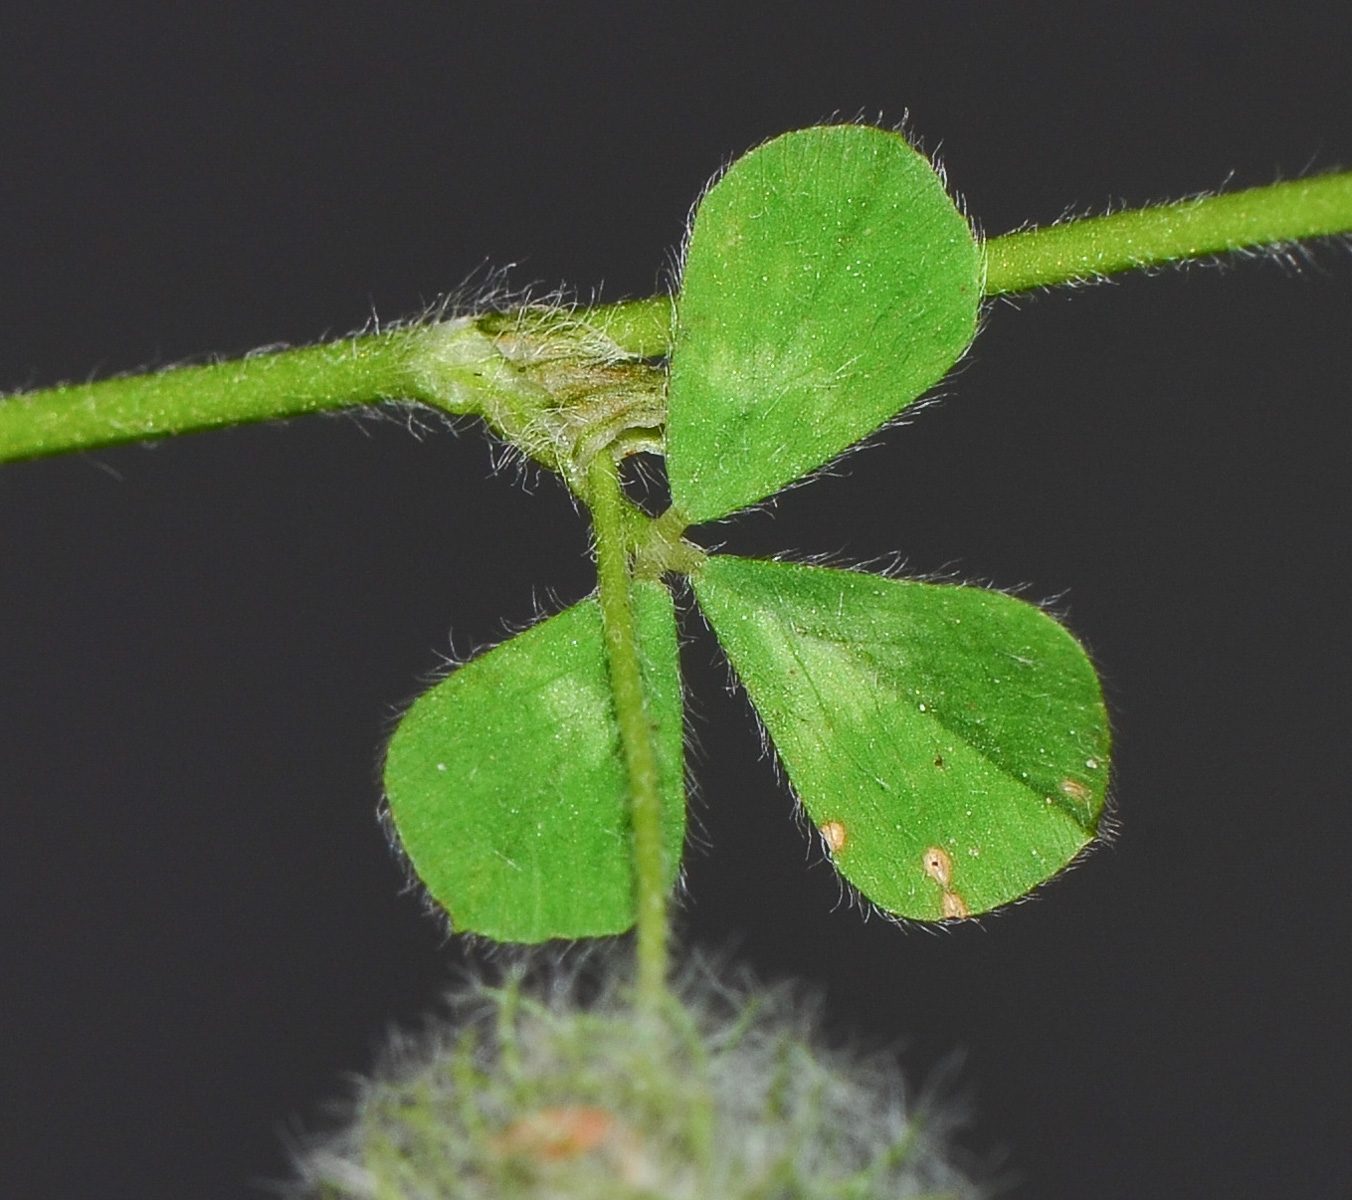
x=546, y=1093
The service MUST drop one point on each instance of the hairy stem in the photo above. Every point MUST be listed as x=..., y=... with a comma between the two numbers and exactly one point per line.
x=626, y=684
x=639, y=327
x=458, y=367
x=134, y=408
x=452, y=365
x=1097, y=246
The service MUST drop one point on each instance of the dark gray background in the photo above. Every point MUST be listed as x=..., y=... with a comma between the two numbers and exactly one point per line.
x=201, y=643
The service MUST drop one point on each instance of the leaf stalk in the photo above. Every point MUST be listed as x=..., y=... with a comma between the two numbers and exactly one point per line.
x=614, y=577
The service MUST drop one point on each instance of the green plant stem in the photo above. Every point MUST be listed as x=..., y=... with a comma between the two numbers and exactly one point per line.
x=1098, y=246
x=451, y=365
x=626, y=681
x=640, y=327
x=134, y=408
x=457, y=367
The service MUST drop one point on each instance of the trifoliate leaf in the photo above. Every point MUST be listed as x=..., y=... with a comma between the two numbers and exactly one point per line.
x=507, y=786
x=828, y=282
x=950, y=743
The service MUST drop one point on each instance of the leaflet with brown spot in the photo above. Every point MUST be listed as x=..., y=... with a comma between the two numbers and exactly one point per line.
x=1075, y=790
x=834, y=835
x=939, y=867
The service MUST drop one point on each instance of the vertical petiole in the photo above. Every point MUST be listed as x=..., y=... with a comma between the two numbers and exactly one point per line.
x=626, y=682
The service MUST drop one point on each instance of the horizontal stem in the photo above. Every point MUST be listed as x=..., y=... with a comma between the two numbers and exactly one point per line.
x=639, y=327
x=1097, y=246
x=137, y=407
x=455, y=366
x=452, y=365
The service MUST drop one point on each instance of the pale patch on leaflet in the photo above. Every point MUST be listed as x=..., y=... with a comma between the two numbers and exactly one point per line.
x=834, y=835
x=939, y=867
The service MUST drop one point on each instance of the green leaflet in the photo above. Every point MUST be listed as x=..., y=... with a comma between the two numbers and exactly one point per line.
x=828, y=282
x=507, y=786
x=950, y=742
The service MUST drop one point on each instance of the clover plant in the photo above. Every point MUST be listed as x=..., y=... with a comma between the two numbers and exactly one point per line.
x=950, y=743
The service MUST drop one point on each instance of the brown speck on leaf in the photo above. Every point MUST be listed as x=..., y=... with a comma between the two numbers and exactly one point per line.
x=954, y=905
x=833, y=834
x=938, y=760
x=938, y=866
x=1075, y=790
